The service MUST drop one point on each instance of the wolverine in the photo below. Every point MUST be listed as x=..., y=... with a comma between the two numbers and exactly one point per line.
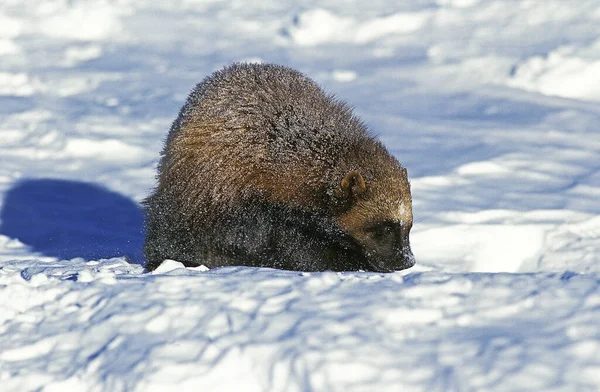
x=263, y=168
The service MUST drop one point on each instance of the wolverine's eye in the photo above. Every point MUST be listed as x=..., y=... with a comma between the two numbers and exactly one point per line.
x=381, y=232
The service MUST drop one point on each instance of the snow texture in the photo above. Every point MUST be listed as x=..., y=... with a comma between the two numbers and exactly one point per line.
x=492, y=105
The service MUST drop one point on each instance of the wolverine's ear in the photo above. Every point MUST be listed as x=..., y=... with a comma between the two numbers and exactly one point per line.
x=352, y=185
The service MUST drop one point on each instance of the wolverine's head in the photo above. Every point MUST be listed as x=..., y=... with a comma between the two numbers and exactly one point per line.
x=377, y=214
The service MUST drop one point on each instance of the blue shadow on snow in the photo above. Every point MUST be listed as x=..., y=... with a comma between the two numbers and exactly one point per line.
x=68, y=219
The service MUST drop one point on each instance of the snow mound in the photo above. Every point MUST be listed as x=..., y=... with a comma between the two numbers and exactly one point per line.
x=320, y=26
x=484, y=248
x=74, y=20
x=104, y=325
x=565, y=72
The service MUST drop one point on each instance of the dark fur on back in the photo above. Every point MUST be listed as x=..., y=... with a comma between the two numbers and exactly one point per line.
x=251, y=173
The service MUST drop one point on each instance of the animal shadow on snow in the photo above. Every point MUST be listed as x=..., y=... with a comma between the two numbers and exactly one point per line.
x=68, y=219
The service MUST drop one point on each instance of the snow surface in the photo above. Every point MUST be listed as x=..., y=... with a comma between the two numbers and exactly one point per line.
x=492, y=105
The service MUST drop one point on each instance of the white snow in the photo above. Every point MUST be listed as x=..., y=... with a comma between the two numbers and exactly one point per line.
x=492, y=105
x=319, y=26
x=562, y=73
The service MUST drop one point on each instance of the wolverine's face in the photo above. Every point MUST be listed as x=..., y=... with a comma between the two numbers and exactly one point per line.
x=380, y=220
x=386, y=245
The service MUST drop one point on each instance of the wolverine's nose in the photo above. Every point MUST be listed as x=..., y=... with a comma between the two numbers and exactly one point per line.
x=409, y=258
x=406, y=258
